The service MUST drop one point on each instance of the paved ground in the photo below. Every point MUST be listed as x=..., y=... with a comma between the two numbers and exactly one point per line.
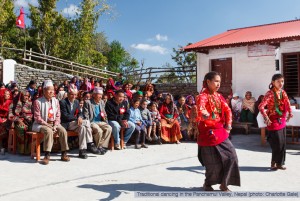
x=118, y=174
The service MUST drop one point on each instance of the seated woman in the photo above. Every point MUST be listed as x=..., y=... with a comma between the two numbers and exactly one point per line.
x=136, y=118
x=20, y=115
x=110, y=85
x=183, y=116
x=170, y=125
x=149, y=90
x=126, y=89
x=247, y=114
x=236, y=106
x=192, y=117
x=5, y=101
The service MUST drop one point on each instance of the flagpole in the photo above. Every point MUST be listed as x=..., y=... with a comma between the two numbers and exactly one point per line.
x=25, y=42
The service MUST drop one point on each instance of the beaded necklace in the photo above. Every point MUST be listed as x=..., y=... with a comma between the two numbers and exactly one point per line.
x=215, y=105
x=277, y=101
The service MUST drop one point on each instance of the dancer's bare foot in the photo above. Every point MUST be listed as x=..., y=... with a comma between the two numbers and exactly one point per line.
x=273, y=165
x=207, y=187
x=224, y=188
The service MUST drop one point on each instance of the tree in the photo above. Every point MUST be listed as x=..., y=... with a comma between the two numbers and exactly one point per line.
x=100, y=42
x=116, y=56
x=89, y=13
x=10, y=35
x=168, y=77
x=186, y=60
x=46, y=26
x=128, y=67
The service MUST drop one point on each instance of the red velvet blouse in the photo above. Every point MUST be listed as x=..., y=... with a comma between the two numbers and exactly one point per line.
x=283, y=105
x=211, y=129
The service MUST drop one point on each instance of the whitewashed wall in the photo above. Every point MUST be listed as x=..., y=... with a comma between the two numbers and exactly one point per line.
x=8, y=70
x=248, y=73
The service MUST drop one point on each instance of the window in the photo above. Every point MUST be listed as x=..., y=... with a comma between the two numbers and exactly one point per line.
x=291, y=66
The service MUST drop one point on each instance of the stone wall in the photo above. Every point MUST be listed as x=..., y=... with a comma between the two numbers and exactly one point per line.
x=23, y=75
x=177, y=89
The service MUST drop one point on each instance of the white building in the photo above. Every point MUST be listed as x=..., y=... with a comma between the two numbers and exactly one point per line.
x=246, y=58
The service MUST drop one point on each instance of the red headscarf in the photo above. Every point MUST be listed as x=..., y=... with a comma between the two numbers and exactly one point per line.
x=127, y=91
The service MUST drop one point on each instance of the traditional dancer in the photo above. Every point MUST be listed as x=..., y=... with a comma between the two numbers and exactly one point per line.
x=215, y=150
x=275, y=117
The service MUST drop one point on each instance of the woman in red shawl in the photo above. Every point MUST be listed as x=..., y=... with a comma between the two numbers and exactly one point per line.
x=86, y=85
x=170, y=127
x=20, y=115
x=110, y=85
x=215, y=150
x=127, y=91
x=5, y=101
x=278, y=105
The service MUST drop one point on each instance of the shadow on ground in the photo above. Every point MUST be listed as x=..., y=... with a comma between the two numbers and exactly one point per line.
x=201, y=170
x=115, y=190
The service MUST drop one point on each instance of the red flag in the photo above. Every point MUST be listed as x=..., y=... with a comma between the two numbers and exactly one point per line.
x=20, y=20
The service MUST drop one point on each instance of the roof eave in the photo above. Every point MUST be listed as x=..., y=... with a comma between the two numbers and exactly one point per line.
x=275, y=42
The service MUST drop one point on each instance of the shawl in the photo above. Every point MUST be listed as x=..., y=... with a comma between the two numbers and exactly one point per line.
x=249, y=104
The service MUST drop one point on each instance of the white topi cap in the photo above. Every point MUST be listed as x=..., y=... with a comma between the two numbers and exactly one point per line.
x=98, y=90
x=48, y=83
x=235, y=95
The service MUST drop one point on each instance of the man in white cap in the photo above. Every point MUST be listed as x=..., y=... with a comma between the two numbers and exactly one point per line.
x=94, y=110
x=47, y=121
x=71, y=119
x=236, y=105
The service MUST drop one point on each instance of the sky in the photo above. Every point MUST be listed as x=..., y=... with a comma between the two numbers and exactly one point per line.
x=150, y=29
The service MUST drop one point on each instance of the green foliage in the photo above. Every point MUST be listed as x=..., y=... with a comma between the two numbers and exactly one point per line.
x=183, y=58
x=72, y=39
x=168, y=77
x=47, y=25
x=10, y=35
x=116, y=56
x=186, y=60
x=129, y=65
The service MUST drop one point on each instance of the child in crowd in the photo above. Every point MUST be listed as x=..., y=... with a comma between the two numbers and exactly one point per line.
x=136, y=118
x=81, y=103
x=146, y=116
x=156, y=125
x=105, y=98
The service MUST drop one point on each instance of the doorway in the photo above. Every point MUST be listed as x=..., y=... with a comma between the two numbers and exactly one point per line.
x=224, y=67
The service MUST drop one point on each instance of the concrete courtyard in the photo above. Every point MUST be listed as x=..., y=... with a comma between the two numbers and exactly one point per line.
x=118, y=174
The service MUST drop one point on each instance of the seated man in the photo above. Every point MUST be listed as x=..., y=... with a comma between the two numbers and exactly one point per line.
x=94, y=110
x=72, y=120
x=236, y=106
x=118, y=116
x=47, y=121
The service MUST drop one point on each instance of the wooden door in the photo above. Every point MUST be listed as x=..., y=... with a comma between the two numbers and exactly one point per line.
x=224, y=67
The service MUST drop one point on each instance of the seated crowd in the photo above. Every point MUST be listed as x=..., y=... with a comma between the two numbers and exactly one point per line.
x=97, y=112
